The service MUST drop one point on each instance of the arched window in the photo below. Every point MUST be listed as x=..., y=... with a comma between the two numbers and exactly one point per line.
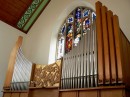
x=74, y=27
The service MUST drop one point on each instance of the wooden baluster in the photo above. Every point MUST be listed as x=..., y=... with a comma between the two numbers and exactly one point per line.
x=32, y=83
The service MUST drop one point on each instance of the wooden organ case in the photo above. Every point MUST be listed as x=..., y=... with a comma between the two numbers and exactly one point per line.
x=97, y=67
x=18, y=73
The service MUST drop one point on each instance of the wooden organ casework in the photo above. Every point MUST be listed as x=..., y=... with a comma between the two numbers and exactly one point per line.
x=45, y=80
x=18, y=73
x=24, y=79
x=97, y=66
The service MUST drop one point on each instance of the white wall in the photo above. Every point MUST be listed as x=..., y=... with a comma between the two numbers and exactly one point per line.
x=8, y=37
x=40, y=43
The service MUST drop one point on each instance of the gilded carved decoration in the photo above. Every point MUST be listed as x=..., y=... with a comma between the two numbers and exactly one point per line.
x=47, y=75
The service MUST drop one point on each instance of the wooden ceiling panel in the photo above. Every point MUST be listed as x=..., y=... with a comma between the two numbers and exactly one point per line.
x=12, y=10
x=26, y=1
x=7, y=18
x=18, y=3
x=21, y=14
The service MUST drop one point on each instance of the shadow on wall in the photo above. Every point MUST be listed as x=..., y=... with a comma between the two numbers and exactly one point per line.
x=61, y=18
x=1, y=94
x=1, y=85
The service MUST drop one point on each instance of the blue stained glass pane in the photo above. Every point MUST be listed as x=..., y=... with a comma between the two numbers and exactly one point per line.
x=70, y=19
x=93, y=16
x=78, y=13
x=63, y=29
x=70, y=27
x=86, y=13
x=86, y=24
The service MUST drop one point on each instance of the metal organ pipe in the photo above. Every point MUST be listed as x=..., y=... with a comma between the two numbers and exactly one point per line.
x=22, y=72
x=79, y=68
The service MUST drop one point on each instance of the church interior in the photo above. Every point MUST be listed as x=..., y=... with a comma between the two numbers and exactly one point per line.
x=64, y=48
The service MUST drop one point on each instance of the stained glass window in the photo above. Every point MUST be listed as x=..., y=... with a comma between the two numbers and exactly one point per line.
x=77, y=31
x=86, y=12
x=60, y=47
x=93, y=16
x=86, y=25
x=75, y=26
x=61, y=42
x=70, y=19
x=69, y=36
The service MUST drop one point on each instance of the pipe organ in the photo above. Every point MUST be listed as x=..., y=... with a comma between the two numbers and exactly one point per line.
x=97, y=60
x=22, y=72
x=97, y=66
x=79, y=68
x=18, y=73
